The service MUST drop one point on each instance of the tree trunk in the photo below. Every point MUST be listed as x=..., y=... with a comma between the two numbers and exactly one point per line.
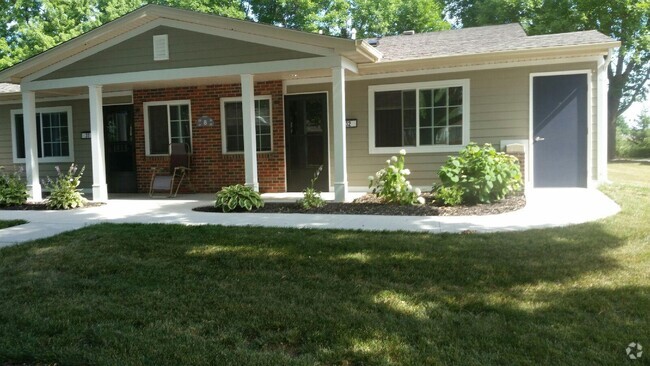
x=613, y=102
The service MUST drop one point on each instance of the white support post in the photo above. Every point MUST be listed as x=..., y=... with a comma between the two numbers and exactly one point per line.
x=248, y=114
x=31, y=146
x=100, y=190
x=602, y=134
x=340, y=162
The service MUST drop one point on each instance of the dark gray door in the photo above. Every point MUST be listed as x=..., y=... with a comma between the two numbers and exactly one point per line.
x=305, y=119
x=119, y=149
x=560, y=130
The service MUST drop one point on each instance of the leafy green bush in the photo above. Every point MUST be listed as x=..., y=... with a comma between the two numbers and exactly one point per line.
x=481, y=173
x=13, y=190
x=450, y=196
x=391, y=185
x=64, y=193
x=238, y=197
x=311, y=197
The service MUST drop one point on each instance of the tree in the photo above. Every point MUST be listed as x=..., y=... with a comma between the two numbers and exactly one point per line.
x=385, y=17
x=624, y=20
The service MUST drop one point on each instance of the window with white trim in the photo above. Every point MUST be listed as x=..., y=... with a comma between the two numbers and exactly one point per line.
x=419, y=117
x=233, y=124
x=53, y=135
x=166, y=123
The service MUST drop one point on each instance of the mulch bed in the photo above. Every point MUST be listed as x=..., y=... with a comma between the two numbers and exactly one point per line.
x=370, y=205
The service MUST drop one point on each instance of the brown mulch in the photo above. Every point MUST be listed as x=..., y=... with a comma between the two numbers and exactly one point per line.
x=41, y=206
x=370, y=205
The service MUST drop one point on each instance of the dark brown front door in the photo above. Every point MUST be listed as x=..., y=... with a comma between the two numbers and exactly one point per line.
x=306, y=140
x=119, y=149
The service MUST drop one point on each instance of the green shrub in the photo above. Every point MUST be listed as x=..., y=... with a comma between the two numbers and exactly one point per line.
x=449, y=196
x=64, y=193
x=13, y=190
x=391, y=185
x=238, y=197
x=311, y=197
x=481, y=173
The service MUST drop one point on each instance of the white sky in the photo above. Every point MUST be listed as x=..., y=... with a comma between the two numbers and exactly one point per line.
x=633, y=112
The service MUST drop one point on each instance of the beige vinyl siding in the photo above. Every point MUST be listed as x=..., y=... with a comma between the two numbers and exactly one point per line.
x=80, y=122
x=186, y=49
x=499, y=110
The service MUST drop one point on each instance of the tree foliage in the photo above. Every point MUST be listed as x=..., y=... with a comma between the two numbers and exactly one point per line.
x=624, y=20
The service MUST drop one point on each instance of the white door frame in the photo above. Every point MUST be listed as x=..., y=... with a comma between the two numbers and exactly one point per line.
x=590, y=133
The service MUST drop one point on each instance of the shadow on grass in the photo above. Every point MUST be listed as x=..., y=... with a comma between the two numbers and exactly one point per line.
x=164, y=294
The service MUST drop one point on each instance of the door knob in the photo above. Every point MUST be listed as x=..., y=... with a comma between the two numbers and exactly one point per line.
x=539, y=138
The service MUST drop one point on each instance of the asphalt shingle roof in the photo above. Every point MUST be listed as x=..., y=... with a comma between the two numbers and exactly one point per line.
x=469, y=41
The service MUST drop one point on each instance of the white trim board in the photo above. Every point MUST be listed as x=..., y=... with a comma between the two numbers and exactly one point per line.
x=444, y=70
x=75, y=97
x=187, y=73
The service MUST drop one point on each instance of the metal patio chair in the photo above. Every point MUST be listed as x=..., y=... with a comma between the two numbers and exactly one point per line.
x=179, y=167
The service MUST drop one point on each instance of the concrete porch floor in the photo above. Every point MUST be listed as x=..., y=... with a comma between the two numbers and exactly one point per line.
x=544, y=208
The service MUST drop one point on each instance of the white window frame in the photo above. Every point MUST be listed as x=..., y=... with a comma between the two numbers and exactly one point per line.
x=51, y=159
x=167, y=103
x=464, y=83
x=223, y=101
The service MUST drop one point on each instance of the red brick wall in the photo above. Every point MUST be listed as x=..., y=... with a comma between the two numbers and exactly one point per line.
x=211, y=169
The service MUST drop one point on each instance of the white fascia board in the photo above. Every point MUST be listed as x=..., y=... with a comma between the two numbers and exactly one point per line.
x=187, y=73
x=249, y=37
x=83, y=96
x=220, y=32
x=91, y=51
x=349, y=65
x=87, y=38
x=444, y=70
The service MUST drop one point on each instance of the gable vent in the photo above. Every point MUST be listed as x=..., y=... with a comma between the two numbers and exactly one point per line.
x=160, y=47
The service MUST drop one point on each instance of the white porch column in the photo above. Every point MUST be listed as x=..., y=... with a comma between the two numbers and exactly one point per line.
x=100, y=190
x=602, y=134
x=340, y=160
x=31, y=146
x=248, y=114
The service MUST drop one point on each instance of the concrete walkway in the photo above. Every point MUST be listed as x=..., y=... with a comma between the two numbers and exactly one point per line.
x=544, y=208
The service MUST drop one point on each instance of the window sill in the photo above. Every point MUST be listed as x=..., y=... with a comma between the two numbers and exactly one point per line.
x=416, y=149
x=66, y=159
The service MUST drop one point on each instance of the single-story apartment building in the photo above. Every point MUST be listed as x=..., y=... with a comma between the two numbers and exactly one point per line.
x=266, y=106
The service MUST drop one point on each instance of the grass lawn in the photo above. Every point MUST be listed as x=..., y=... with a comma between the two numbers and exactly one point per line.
x=174, y=295
x=9, y=223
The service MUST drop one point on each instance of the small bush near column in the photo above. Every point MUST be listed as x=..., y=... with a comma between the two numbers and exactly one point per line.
x=478, y=175
x=13, y=190
x=64, y=191
x=311, y=197
x=391, y=185
x=238, y=197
